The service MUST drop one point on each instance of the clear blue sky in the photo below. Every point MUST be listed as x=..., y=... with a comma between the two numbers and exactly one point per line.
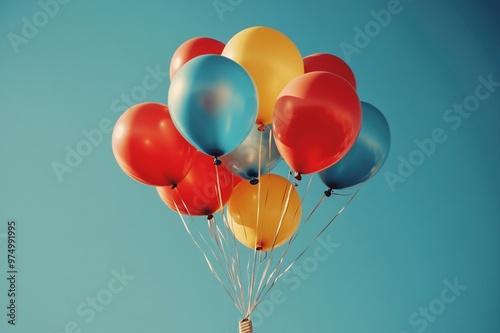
x=416, y=251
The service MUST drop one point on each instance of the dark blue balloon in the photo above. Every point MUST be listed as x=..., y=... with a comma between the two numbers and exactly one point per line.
x=213, y=103
x=366, y=156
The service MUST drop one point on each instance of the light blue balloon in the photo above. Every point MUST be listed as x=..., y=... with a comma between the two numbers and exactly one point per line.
x=213, y=103
x=244, y=160
x=367, y=155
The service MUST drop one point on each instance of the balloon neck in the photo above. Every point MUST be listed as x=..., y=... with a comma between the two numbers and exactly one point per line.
x=298, y=176
x=259, y=248
x=254, y=181
x=329, y=192
x=174, y=186
x=210, y=217
x=261, y=127
x=246, y=325
x=217, y=161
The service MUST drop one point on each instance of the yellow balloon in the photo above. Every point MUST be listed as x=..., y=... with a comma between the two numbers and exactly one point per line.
x=271, y=59
x=267, y=221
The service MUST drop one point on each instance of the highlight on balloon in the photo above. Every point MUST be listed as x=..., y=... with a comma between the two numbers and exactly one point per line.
x=250, y=131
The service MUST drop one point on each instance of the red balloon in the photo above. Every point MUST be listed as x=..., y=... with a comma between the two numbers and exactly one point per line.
x=317, y=118
x=329, y=63
x=148, y=147
x=193, y=48
x=198, y=193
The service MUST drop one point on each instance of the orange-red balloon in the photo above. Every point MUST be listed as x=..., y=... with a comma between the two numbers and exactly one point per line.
x=316, y=120
x=198, y=193
x=329, y=63
x=193, y=48
x=148, y=147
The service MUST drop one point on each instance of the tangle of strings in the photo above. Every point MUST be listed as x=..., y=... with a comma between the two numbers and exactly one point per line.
x=247, y=275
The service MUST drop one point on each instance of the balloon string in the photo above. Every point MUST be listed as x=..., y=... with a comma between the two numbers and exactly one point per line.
x=302, y=225
x=262, y=284
x=259, y=290
x=212, y=270
x=248, y=271
x=270, y=145
x=281, y=260
x=326, y=227
x=294, y=236
x=250, y=253
x=224, y=270
x=260, y=155
x=235, y=264
x=219, y=242
x=254, y=262
x=285, y=204
x=285, y=201
x=193, y=222
x=310, y=244
x=269, y=254
x=256, y=293
x=307, y=189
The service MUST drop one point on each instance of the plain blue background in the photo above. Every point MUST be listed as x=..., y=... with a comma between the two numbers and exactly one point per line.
x=396, y=245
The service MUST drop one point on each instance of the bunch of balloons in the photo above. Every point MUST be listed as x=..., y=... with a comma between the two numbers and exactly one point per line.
x=234, y=111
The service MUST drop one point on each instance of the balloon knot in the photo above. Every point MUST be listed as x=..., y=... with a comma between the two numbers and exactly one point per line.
x=174, y=186
x=298, y=176
x=217, y=161
x=210, y=216
x=261, y=127
x=328, y=192
x=254, y=181
x=259, y=248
